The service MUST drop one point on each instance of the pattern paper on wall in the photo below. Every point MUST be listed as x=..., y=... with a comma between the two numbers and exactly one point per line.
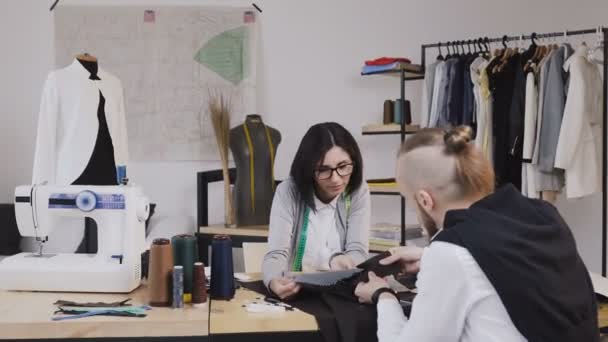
x=168, y=66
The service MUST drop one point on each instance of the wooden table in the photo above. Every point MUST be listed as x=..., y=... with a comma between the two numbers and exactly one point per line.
x=231, y=322
x=27, y=315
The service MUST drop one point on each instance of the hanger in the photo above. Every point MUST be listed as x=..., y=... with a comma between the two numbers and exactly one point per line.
x=86, y=57
x=449, y=54
x=596, y=54
x=440, y=56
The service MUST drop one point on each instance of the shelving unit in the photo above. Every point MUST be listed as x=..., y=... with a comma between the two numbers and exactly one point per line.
x=379, y=129
x=407, y=72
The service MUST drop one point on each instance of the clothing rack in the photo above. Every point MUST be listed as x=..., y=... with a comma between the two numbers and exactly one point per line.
x=563, y=34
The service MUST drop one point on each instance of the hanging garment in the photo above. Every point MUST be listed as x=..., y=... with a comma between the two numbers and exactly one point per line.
x=545, y=181
x=455, y=92
x=439, y=86
x=502, y=83
x=553, y=109
x=484, y=123
x=427, y=93
x=487, y=144
x=468, y=102
x=577, y=147
x=528, y=176
x=516, y=121
x=68, y=123
x=444, y=94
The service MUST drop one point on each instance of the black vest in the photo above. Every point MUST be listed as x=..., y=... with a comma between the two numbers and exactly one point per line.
x=528, y=253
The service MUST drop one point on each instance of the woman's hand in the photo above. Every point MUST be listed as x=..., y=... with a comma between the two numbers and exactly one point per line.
x=341, y=262
x=365, y=291
x=284, y=288
x=408, y=256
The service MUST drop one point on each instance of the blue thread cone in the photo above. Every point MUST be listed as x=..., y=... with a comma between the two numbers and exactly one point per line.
x=222, y=272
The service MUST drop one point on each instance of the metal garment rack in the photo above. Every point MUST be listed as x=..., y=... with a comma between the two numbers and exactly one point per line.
x=562, y=34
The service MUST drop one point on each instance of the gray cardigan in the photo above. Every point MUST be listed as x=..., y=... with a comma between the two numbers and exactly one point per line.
x=286, y=218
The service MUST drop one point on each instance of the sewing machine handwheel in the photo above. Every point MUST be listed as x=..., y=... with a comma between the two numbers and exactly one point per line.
x=86, y=201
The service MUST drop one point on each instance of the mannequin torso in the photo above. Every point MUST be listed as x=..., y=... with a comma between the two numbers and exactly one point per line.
x=254, y=186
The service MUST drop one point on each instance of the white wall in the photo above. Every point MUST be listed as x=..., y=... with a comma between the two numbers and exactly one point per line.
x=310, y=56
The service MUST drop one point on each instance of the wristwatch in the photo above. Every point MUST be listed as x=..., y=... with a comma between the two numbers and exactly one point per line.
x=376, y=295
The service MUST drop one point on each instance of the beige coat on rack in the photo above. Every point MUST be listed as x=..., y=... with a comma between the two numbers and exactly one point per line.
x=578, y=147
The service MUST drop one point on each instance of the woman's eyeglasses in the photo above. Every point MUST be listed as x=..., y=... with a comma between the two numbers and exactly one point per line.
x=341, y=170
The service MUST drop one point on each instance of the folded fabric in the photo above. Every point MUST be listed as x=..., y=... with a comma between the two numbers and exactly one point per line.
x=387, y=60
x=92, y=305
x=343, y=283
x=80, y=312
x=373, y=69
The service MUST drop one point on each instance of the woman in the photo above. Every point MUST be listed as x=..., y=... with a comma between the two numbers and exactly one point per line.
x=320, y=216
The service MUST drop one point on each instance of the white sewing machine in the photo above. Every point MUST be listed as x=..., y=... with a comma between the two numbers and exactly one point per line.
x=120, y=213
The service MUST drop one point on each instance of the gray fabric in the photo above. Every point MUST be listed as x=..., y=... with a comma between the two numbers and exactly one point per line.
x=552, y=180
x=553, y=110
x=286, y=218
x=438, y=92
x=429, y=82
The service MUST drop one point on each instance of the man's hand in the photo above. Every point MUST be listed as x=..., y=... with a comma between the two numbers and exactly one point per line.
x=365, y=290
x=284, y=288
x=407, y=256
x=341, y=262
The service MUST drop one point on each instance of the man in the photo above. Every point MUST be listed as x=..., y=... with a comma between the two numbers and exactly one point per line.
x=500, y=266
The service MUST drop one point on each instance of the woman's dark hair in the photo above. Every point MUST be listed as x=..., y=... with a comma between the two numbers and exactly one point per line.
x=319, y=139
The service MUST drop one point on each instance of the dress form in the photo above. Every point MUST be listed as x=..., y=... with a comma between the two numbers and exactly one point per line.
x=101, y=169
x=254, y=186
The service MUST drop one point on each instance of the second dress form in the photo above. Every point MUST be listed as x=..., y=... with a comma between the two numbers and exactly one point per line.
x=254, y=186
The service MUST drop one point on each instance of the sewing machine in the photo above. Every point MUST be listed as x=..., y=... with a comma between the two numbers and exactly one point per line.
x=120, y=213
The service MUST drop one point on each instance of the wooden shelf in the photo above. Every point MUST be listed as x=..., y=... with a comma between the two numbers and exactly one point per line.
x=412, y=72
x=371, y=129
x=383, y=189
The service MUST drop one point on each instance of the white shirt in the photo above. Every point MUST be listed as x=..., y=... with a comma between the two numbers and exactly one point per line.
x=322, y=238
x=455, y=302
x=68, y=123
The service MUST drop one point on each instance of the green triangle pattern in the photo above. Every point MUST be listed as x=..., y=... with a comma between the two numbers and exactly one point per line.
x=227, y=54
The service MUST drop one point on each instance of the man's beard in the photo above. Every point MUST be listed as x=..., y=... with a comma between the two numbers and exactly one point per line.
x=427, y=221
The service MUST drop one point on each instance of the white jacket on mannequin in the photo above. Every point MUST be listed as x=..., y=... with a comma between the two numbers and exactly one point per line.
x=577, y=147
x=68, y=123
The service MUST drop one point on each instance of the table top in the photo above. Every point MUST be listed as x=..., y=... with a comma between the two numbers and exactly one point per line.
x=230, y=317
x=27, y=315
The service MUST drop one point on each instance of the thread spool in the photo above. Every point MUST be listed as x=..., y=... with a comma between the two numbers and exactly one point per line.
x=407, y=110
x=178, y=287
x=388, y=115
x=159, y=274
x=222, y=272
x=199, y=287
x=398, y=111
x=185, y=253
